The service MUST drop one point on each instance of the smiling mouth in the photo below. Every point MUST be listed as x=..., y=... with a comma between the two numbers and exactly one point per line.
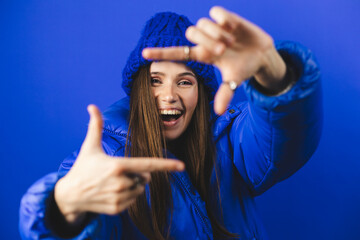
x=170, y=115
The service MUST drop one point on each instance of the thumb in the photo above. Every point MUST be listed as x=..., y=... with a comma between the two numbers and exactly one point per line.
x=223, y=98
x=95, y=128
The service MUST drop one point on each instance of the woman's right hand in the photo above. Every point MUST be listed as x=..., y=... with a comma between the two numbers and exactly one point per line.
x=103, y=184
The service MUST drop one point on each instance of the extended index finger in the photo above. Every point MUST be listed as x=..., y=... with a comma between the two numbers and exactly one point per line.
x=167, y=53
x=138, y=165
x=197, y=53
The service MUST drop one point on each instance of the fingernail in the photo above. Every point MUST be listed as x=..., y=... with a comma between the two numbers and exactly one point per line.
x=180, y=167
x=145, y=53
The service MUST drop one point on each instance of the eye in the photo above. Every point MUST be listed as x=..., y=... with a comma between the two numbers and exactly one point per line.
x=185, y=82
x=155, y=81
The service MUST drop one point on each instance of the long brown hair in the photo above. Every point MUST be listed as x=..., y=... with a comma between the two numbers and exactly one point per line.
x=145, y=139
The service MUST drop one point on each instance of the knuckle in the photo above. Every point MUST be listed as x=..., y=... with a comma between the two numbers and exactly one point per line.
x=120, y=187
x=147, y=177
x=116, y=208
x=140, y=189
x=119, y=168
x=111, y=210
x=132, y=201
x=117, y=202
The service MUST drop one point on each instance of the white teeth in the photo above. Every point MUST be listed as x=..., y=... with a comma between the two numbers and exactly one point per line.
x=170, y=112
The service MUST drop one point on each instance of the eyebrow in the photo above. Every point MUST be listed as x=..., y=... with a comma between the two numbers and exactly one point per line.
x=179, y=75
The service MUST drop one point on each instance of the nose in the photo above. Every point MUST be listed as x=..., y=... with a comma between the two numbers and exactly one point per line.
x=169, y=94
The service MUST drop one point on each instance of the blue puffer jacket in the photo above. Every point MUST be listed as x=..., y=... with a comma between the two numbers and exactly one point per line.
x=259, y=143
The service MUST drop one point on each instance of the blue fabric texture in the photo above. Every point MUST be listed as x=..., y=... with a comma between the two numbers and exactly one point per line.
x=166, y=29
x=259, y=143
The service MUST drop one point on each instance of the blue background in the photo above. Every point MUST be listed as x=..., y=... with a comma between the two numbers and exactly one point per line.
x=56, y=57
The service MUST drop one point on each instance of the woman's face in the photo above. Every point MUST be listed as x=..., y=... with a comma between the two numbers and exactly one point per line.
x=175, y=89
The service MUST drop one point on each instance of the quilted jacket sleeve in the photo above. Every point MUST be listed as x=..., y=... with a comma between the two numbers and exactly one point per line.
x=274, y=136
x=34, y=222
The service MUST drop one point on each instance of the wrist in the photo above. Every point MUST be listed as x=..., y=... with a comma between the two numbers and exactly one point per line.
x=56, y=222
x=66, y=204
x=273, y=76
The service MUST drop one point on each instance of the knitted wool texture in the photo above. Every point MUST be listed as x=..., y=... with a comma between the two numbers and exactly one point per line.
x=164, y=30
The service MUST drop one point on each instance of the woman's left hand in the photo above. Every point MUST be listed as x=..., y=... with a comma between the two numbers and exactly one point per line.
x=239, y=48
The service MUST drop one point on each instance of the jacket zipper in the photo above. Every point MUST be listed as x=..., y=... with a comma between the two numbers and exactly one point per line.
x=190, y=195
x=116, y=133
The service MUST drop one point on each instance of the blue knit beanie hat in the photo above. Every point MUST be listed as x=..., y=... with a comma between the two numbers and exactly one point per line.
x=164, y=30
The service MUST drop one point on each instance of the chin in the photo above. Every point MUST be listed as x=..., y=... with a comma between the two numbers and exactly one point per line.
x=171, y=136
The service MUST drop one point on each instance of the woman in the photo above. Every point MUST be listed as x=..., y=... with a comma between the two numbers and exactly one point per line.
x=229, y=159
